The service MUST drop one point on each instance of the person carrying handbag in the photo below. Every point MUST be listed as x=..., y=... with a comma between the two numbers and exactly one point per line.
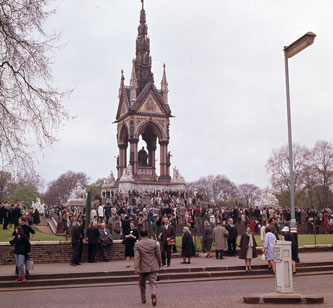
x=167, y=239
x=22, y=248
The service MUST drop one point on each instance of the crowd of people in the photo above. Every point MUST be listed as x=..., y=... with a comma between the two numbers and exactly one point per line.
x=153, y=218
x=190, y=210
x=11, y=212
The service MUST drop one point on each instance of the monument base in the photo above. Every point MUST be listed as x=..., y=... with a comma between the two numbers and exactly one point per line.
x=280, y=298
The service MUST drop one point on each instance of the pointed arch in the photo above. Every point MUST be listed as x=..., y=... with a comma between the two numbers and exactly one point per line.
x=123, y=134
x=156, y=129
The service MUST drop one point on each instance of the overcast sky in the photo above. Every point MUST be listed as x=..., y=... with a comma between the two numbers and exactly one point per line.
x=225, y=69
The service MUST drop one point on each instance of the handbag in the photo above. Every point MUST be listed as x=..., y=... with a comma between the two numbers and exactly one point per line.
x=171, y=242
x=30, y=265
x=263, y=257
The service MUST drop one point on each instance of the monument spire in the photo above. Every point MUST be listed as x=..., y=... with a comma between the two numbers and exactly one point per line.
x=143, y=59
x=133, y=84
x=164, y=86
x=122, y=78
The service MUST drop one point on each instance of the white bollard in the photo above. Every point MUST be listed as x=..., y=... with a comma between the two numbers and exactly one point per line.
x=283, y=271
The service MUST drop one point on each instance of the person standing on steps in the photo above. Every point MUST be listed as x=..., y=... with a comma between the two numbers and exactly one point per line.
x=220, y=235
x=105, y=241
x=22, y=248
x=269, y=240
x=248, y=248
x=147, y=263
x=207, y=239
x=26, y=230
x=76, y=240
x=131, y=236
x=93, y=235
x=167, y=240
x=188, y=248
x=232, y=238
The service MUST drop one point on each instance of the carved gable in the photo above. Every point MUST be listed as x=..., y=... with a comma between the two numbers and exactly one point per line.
x=123, y=107
x=150, y=105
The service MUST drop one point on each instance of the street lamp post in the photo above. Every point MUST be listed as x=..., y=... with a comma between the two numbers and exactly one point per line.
x=289, y=51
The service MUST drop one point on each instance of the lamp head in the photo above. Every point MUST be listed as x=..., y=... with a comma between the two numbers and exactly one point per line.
x=303, y=42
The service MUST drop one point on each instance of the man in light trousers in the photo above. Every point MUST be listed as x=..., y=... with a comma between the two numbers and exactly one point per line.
x=147, y=262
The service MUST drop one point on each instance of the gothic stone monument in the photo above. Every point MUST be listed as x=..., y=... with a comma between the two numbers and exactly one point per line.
x=143, y=111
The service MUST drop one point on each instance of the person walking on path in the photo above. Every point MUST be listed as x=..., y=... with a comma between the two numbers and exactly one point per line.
x=207, y=239
x=147, y=263
x=130, y=238
x=188, y=248
x=220, y=235
x=22, y=248
x=232, y=238
x=269, y=240
x=248, y=248
x=76, y=240
x=167, y=239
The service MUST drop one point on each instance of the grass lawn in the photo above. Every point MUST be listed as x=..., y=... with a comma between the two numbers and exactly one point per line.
x=39, y=236
x=303, y=239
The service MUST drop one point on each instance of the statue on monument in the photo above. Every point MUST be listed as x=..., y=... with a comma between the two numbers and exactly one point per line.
x=169, y=155
x=143, y=157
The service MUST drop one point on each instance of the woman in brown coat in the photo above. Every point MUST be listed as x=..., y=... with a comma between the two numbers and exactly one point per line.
x=248, y=248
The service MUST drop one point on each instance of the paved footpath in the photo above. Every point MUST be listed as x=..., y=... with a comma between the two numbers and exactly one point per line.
x=215, y=294
x=53, y=268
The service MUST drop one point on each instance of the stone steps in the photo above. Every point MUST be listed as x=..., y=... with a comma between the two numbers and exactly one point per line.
x=60, y=280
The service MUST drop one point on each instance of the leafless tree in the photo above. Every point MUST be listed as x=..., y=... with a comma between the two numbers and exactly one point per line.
x=322, y=156
x=59, y=190
x=30, y=106
x=215, y=188
x=278, y=167
x=249, y=194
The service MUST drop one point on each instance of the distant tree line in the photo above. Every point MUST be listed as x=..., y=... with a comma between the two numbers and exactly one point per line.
x=313, y=172
x=220, y=190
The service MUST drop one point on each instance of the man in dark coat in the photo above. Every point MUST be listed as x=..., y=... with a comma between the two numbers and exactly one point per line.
x=92, y=234
x=76, y=240
x=105, y=241
x=107, y=212
x=16, y=214
x=167, y=234
x=232, y=238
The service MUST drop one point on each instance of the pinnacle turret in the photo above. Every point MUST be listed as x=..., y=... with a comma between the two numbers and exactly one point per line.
x=143, y=60
x=164, y=86
x=133, y=84
x=122, y=81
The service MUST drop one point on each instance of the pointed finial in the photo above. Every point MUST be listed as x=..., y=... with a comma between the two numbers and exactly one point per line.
x=121, y=83
x=164, y=86
x=164, y=79
x=142, y=1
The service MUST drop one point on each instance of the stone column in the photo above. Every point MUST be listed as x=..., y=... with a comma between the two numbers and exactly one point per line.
x=134, y=158
x=151, y=153
x=163, y=160
x=122, y=159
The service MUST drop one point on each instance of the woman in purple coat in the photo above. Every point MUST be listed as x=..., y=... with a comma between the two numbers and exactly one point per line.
x=269, y=240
